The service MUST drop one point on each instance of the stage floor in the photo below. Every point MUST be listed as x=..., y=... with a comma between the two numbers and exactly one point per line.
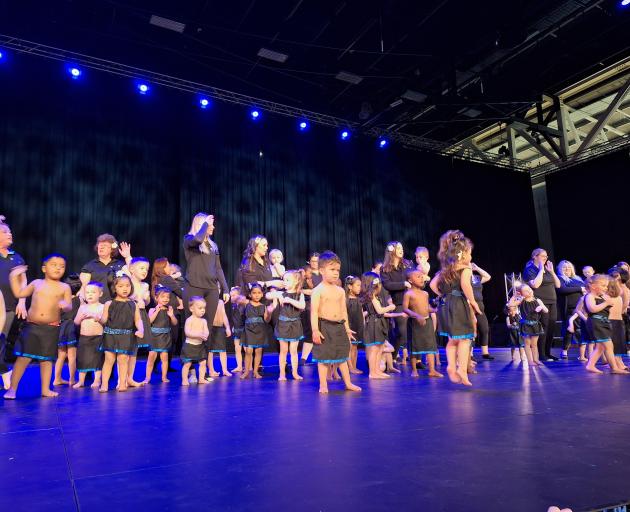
x=520, y=440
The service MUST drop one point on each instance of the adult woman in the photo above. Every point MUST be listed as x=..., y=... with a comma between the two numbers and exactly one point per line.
x=395, y=282
x=571, y=289
x=479, y=278
x=204, y=274
x=105, y=264
x=255, y=266
x=12, y=306
x=541, y=276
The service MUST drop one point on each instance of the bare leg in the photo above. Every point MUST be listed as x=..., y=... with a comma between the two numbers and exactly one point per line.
x=202, y=373
x=45, y=372
x=432, y=371
x=123, y=368
x=248, y=362
x=294, y=361
x=81, y=382
x=372, y=357
x=345, y=375
x=108, y=366
x=282, y=359
x=594, y=357
x=322, y=371
x=463, y=354
x=528, y=350
x=405, y=356
x=72, y=364
x=306, y=351
x=451, y=361
x=238, y=354
x=258, y=353
x=62, y=353
x=164, y=361
x=16, y=376
x=211, y=371
x=389, y=363
x=185, y=372
x=131, y=368
x=414, y=367
x=535, y=353
x=609, y=350
x=224, y=368
x=582, y=353
x=150, y=364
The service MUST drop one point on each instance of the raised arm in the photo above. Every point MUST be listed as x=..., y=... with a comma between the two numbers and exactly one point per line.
x=434, y=284
x=593, y=307
x=485, y=277
x=538, y=279
x=192, y=241
x=18, y=286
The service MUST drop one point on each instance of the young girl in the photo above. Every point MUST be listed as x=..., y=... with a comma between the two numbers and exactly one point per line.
x=288, y=329
x=275, y=259
x=376, y=326
x=617, y=329
x=196, y=332
x=355, y=319
x=162, y=318
x=597, y=304
x=237, y=309
x=161, y=277
x=458, y=307
x=577, y=326
x=120, y=316
x=513, y=321
x=67, y=347
x=531, y=310
x=256, y=316
x=88, y=319
x=217, y=343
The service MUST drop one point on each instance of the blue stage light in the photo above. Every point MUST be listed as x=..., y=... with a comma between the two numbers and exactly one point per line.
x=204, y=103
x=255, y=114
x=345, y=135
x=382, y=143
x=142, y=88
x=303, y=126
x=625, y=3
x=75, y=73
x=1, y=55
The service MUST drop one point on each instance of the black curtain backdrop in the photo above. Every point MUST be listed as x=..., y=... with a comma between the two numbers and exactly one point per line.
x=80, y=158
x=588, y=210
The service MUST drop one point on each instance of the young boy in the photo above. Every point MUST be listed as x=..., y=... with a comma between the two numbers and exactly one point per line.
x=196, y=331
x=39, y=337
x=329, y=323
x=416, y=306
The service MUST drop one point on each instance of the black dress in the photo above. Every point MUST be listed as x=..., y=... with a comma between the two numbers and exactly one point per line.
x=530, y=319
x=118, y=333
x=454, y=313
x=161, y=340
x=598, y=324
x=289, y=326
x=375, y=326
x=67, y=330
x=255, y=334
x=355, y=319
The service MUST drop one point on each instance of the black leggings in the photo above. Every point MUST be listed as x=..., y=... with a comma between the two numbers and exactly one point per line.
x=483, y=330
x=566, y=335
x=548, y=321
x=399, y=337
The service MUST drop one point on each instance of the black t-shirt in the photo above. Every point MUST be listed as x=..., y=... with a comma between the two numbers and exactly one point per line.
x=12, y=260
x=100, y=272
x=547, y=289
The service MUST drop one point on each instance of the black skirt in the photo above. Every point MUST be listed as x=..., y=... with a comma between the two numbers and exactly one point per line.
x=67, y=334
x=89, y=357
x=618, y=330
x=217, y=342
x=289, y=330
x=423, y=338
x=119, y=341
x=193, y=353
x=161, y=340
x=38, y=341
x=335, y=346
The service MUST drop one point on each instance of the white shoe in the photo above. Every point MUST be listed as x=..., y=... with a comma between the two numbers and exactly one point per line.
x=209, y=379
x=192, y=379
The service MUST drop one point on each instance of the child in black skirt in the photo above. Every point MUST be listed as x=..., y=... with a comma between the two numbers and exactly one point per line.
x=355, y=319
x=88, y=319
x=288, y=330
x=121, y=316
x=531, y=310
x=236, y=319
x=513, y=322
x=196, y=332
x=256, y=338
x=617, y=328
x=577, y=325
x=39, y=337
x=217, y=343
x=67, y=346
x=416, y=306
x=162, y=318
x=329, y=323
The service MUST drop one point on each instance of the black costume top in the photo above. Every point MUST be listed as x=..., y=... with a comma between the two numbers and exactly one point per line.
x=203, y=270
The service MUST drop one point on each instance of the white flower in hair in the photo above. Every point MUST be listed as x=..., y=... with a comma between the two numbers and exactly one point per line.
x=114, y=245
x=120, y=273
x=390, y=248
x=375, y=281
x=459, y=255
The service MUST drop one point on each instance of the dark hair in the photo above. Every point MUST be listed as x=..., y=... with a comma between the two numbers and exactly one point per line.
x=377, y=263
x=51, y=256
x=328, y=258
x=74, y=282
x=159, y=290
x=251, y=287
x=349, y=281
x=106, y=237
x=112, y=281
x=370, y=281
x=315, y=253
x=247, y=263
x=390, y=252
x=452, y=244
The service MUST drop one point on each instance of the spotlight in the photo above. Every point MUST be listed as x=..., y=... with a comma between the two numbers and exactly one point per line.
x=345, y=135
x=255, y=114
x=624, y=3
x=74, y=73
x=142, y=88
x=382, y=143
x=1, y=55
x=204, y=103
x=303, y=126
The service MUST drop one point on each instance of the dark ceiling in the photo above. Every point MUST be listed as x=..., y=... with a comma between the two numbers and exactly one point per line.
x=474, y=63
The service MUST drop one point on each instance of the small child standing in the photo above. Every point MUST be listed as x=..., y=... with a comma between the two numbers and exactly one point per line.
x=288, y=330
x=355, y=319
x=416, y=306
x=196, y=332
x=67, y=346
x=162, y=318
x=329, y=322
x=256, y=338
x=39, y=337
x=217, y=343
x=531, y=327
x=513, y=322
x=237, y=309
x=577, y=325
x=89, y=357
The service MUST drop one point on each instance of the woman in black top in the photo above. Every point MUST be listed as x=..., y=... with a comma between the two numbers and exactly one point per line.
x=106, y=264
x=479, y=278
x=204, y=275
x=572, y=287
x=255, y=266
x=541, y=276
x=395, y=282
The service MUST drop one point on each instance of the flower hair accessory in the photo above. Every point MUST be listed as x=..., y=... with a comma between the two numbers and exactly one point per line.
x=120, y=273
x=258, y=239
x=375, y=281
x=390, y=248
x=459, y=255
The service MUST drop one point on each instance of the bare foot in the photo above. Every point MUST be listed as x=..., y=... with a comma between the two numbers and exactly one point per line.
x=6, y=380
x=583, y=359
x=593, y=369
x=336, y=376
x=282, y=377
x=213, y=374
x=323, y=390
x=393, y=370
x=619, y=372
x=453, y=376
x=59, y=382
x=49, y=393
x=378, y=376
x=95, y=385
x=134, y=384
x=77, y=385
x=227, y=374
x=238, y=369
x=145, y=382
x=165, y=380
x=9, y=395
x=355, y=372
x=122, y=389
x=244, y=375
x=297, y=376
x=415, y=374
x=205, y=381
x=185, y=383
x=463, y=374
x=352, y=387
x=435, y=374
x=257, y=375
x=103, y=390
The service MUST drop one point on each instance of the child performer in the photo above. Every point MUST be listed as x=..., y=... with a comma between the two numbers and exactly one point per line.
x=376, y=324
x=88, y=318
x=120, y=316
x=329, y=322
x=513, y=321
x=597, y=304
x=579, y=318
x=288, y=330
x=416, y=306
x=67, y=346
x=39, y=337
x=162, y=318
x=256, y=315
x=307, y=290
x=237, y=309
x=196, y=332
x=617, y=328
x=458, y=309
x=217, y=343
x=531, y=328
x=355, y=319
x=275, y=259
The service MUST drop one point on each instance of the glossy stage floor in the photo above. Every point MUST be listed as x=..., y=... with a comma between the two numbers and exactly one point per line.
x=520, y=440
